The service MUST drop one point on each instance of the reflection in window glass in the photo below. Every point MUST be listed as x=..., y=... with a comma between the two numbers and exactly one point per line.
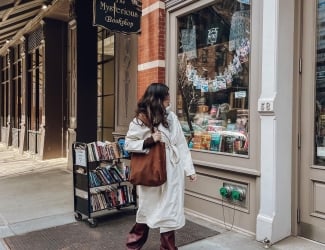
x=213, y=77
x=320, y=86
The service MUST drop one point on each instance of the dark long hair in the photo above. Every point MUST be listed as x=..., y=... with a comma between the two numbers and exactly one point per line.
x=151, y=104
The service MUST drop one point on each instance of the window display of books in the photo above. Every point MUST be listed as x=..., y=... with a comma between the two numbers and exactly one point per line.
x=213, y=77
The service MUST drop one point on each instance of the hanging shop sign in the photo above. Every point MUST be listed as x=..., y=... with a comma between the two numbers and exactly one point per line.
x=118, y=15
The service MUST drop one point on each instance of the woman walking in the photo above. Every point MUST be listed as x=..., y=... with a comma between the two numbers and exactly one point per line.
x=163, y=206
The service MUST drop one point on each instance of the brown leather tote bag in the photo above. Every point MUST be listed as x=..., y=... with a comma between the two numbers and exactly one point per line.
x=149, y=169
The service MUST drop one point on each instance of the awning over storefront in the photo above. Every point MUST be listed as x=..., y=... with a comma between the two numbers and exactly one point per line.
x=19, y=16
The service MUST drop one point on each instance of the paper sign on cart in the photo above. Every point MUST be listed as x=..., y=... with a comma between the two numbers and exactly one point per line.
x=80, y=155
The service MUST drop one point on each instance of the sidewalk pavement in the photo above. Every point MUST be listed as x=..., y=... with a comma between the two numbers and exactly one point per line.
x=39, y=194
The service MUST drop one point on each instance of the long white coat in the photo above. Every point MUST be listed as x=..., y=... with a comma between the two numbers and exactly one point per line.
x=163, y=207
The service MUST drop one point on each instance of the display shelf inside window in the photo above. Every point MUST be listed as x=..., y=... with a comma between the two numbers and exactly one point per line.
x=213, y=77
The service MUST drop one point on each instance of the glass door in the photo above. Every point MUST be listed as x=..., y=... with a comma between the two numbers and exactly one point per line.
x=105, y=84
x=311, y=222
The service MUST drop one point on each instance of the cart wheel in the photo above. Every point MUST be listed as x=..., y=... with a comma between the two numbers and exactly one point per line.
x=78, y=216
x=92, y=222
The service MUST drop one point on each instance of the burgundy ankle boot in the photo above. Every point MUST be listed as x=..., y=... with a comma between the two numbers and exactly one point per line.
x=137, y=236
x=167, y=241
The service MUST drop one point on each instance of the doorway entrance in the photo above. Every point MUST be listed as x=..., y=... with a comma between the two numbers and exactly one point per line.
x=311, y=222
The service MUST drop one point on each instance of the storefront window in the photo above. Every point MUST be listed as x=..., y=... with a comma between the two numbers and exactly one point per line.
x=105, y=84
x=213, y=77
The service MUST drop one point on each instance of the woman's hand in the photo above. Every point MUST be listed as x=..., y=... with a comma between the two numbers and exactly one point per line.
x=156, y=136
x=193, y=177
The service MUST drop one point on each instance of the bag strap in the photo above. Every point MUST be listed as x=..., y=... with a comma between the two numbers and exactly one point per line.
x=143, y=117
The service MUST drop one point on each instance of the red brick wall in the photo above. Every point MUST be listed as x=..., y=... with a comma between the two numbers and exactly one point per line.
x=151, y=46
x=148, y=76
x=146, y=3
